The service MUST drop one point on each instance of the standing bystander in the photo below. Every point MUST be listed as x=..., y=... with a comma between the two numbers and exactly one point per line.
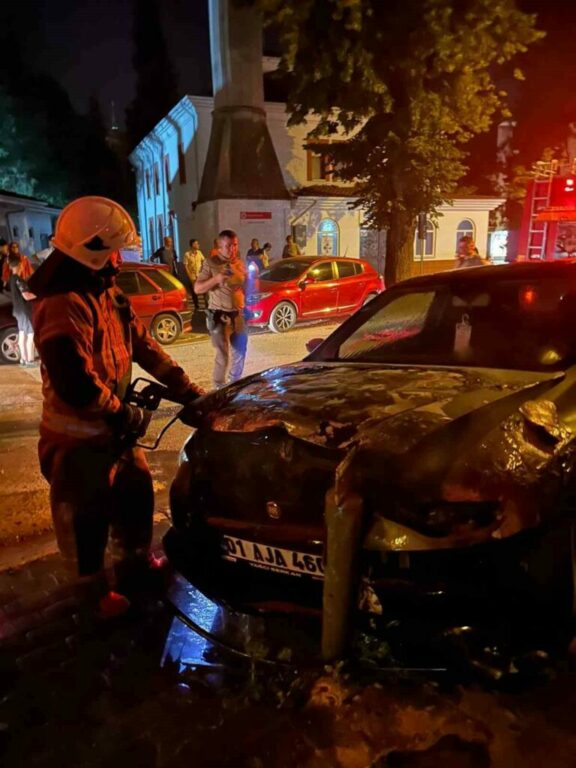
x=193, y=260
x=253, y=252
x=266, y=248
x=22, y=307
x=291, y=248
x=167, y=255
x=3, y=258
x=223, y=277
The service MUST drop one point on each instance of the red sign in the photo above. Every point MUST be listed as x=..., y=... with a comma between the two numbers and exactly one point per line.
x=556, y=213
x=255, y=215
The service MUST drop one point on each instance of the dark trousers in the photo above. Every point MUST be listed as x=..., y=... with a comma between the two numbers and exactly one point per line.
x=230, y=340
x=94, y=493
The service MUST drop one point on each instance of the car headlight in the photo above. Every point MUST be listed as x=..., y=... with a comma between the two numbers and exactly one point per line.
x=256, y=297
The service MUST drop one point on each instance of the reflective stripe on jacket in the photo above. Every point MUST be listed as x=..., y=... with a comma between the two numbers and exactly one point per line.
x=100, y=337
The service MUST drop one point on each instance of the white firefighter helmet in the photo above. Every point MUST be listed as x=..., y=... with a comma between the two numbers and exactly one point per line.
x=89, y=229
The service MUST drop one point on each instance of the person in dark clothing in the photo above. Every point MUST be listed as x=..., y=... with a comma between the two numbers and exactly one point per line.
x=22, y=309
x=254, y=251
x=167, y=255
x=3, y=257
x=88, y=338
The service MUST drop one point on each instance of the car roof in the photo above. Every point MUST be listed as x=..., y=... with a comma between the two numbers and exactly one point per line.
x=308, y=259
x=525, y=270
x=142, y=265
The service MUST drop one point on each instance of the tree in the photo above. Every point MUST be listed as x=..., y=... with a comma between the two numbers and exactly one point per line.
x=406, y=83
x=156, y=83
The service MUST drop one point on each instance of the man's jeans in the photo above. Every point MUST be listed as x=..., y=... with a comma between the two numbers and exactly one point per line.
x=230, y=341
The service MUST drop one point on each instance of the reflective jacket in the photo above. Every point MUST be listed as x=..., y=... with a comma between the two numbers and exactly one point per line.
x=87, y=342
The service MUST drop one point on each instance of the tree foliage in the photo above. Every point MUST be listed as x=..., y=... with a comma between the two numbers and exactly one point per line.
x=407, y=83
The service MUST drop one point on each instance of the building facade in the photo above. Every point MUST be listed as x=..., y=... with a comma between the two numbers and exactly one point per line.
x=321, y=212
x=27, y=221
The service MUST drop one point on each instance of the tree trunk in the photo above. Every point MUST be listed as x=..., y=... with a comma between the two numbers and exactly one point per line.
x=399, y=248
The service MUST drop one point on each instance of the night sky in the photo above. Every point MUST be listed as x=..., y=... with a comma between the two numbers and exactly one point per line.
x=87, y=45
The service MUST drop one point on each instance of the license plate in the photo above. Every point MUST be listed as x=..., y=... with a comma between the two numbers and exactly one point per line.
x=273, y=558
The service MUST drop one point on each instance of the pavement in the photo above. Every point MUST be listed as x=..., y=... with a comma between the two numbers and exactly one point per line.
x=23, y=491
x=143, y=691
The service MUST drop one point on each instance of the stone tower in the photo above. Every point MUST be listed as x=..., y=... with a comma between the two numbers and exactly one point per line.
x=241, y=161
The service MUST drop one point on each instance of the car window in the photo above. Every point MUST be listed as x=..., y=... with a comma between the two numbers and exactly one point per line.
x=508, y=324
x=404, y=317
x=164, y=280
x=346, y=269
x=322, y=271
x=128, y=282
x=283, y=271
x=145, y=287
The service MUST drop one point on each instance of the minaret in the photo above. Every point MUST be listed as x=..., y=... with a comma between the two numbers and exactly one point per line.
x=241, y=162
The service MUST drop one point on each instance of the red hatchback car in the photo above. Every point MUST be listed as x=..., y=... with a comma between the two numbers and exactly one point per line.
x=158, y=298
x=308, y=288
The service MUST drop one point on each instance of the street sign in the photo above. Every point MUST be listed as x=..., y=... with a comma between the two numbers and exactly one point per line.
x=255, y=215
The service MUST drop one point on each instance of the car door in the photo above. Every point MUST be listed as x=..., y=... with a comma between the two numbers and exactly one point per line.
x=320, y=290
x=144, y=296
x=351, y=284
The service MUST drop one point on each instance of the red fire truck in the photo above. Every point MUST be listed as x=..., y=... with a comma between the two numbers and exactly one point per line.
x=548, y=229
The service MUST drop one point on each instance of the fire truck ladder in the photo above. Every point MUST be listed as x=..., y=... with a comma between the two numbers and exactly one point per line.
x=541, y=193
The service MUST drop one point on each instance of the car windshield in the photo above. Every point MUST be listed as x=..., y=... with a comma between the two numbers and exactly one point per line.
x=283, y=271
x=511, y=324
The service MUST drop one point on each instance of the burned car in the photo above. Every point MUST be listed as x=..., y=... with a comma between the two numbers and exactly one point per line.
x=421, y=457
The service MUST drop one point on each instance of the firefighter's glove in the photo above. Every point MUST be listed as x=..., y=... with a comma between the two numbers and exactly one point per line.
x=190, y=394
x=134, y=421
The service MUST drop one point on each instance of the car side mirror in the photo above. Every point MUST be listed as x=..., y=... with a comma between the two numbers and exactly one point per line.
x=312, y=344
x=306, y=281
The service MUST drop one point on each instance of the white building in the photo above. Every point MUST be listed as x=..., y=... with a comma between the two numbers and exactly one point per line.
x=169, y=163
x=26, y=220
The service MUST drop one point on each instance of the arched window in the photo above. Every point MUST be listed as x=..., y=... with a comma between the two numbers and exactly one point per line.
x=466, y=228
x=328, y=237
x=429, y=243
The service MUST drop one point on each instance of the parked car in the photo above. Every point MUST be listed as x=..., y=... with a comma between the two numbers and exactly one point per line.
x=308, y=288
x=9, y=352
x=422, y=456
x=158, y=298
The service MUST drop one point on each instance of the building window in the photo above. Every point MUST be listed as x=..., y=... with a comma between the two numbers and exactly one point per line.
x=181, y=164
x=429, y=243
x=151, y=234
x=167, y=172
x=147, y=176
x=328, y=237
x=320, y=165
x=160, y=231
x=156, y=179
x=466, y=228
x=15, y=232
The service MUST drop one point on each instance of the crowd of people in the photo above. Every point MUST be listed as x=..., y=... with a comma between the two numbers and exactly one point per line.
x=221, y=277
x=16, y=269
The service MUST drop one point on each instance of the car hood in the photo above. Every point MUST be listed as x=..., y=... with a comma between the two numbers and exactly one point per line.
x=336, y=405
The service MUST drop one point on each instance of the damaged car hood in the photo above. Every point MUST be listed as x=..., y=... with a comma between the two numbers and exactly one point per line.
x=336, y=405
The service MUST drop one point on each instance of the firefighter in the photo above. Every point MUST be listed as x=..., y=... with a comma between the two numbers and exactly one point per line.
x=87, y=336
